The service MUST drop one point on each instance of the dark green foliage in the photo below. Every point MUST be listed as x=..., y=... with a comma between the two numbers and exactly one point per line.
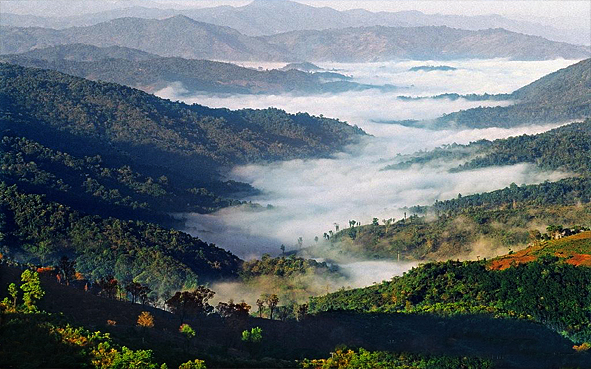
x=87, y=183
x=153, y=131
x=566, y=148
x=39, y=340
x=284, y=267
x=112, y=150
x=555, y=294
x=163, y=259
x=154, y=72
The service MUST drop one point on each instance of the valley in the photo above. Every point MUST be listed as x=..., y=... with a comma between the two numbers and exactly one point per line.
x=251, y=186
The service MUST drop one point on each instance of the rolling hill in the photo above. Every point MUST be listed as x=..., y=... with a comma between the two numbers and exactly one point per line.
x=562, y=96
x=150, y=73
x=106, y=148
x=369, y=44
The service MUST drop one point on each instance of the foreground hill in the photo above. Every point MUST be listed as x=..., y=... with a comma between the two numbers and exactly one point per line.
x=199, y=40
x=150, y=72
x=459, y=341
x=171, y=152
x=552, y=290
x=35, y=230
x=558, y=97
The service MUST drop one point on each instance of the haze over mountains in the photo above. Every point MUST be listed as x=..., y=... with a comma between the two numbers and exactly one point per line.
x=199, y=40
x=268, y=17
x=150, y=72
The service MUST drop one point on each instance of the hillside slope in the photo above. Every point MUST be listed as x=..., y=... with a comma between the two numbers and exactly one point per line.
x=149, y=136
x=150, y=73
x=370, y=44
x=561, y=96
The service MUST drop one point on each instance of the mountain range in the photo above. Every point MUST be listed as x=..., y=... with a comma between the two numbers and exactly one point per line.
x=149, y=72
x=198, y=40
x=268, y=17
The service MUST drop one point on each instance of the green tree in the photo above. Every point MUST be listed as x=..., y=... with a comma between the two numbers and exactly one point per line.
x=195, y=364
x=188, y=333
x=32, y=291
x=255, y=335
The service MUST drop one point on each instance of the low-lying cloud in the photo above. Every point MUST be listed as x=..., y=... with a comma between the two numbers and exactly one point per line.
x=308, y=197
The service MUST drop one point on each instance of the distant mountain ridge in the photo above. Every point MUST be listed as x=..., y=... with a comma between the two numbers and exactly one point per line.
x=150, y=72
x=271, y=17
x=197, y=40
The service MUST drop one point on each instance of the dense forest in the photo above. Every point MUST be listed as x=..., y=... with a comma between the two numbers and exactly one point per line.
x=150, y=72
x=108, y=148
x=484, y=223
x=564, y=95
x=35, y=230
x=548, y=290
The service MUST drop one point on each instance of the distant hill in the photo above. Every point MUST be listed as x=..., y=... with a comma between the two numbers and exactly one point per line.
x=86, y=53
x=199, y=40
x=149, y=72
x=558, y=97
x=271, y=17
x=365, y=44
x=193, y=39
x=303, y=66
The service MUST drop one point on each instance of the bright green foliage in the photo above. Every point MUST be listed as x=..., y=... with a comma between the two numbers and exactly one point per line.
x=255, y=335
x=32, y=291
x=13, y=292
x=363, y=359
x=45, y=340
x=187, y=331
x=547, y=291
x=284, y=267
x=195, y=364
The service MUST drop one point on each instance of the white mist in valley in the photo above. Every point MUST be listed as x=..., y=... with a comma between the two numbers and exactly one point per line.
x=307, y=198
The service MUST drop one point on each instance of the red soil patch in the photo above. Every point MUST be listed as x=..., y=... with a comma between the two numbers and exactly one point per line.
x=580, y=260
x=508, y=261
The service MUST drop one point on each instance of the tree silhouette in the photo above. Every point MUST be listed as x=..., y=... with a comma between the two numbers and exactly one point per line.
x=191, y=302
x=65, y=269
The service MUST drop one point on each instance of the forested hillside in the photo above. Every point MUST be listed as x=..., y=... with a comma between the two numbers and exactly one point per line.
x=562, y=96
x=113, y=145
x=484, y=223
x=151, y=73
x=549, y=290
x=35, y=230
